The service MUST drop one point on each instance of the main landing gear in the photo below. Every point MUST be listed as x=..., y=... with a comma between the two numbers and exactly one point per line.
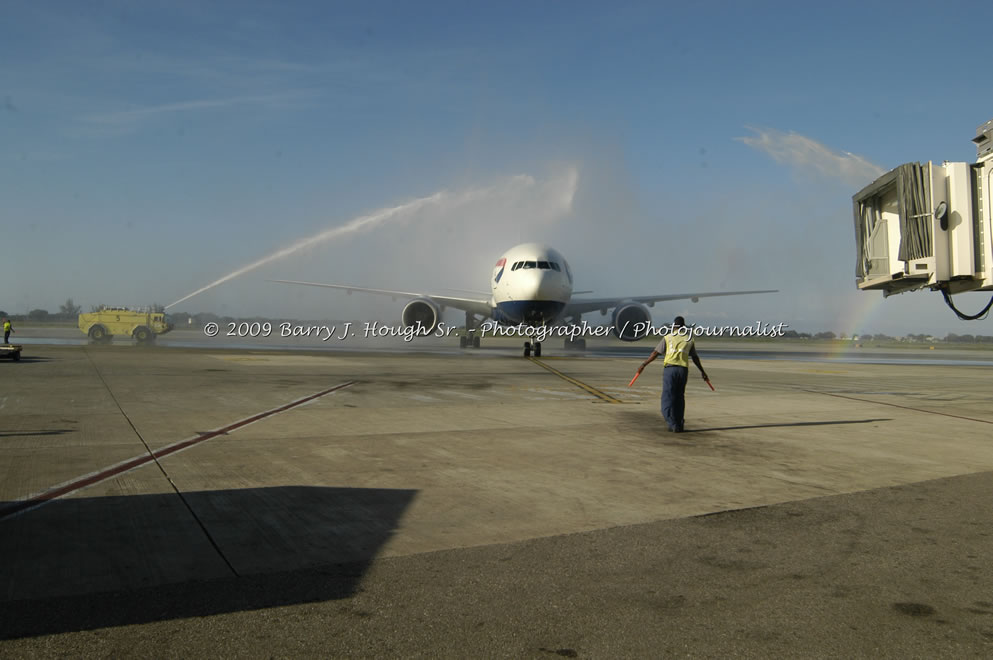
x=471, y=337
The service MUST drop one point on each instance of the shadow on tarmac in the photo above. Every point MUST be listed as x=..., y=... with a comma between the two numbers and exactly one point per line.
x=26, y=358
x=771, y=426
x=87, y=563
x=28, y=434
x=642, y=418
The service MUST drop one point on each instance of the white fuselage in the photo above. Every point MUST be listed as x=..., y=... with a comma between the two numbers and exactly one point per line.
x=531, y=284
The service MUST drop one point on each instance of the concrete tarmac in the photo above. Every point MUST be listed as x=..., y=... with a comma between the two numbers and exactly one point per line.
x=240, y=503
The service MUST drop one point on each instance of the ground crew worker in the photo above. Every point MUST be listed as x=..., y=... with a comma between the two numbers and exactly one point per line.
x=7, y=329
x=676, y=346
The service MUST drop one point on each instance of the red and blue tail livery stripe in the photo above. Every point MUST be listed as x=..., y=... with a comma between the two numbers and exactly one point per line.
x=500, y=264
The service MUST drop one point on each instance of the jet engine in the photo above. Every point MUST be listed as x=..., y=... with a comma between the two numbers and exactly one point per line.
x=631, y=321
x=421, y=311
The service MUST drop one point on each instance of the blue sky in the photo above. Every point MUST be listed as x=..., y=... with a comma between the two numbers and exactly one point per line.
x=149, y=148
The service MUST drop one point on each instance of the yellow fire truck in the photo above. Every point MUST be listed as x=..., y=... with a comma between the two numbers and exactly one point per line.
x=144, y=325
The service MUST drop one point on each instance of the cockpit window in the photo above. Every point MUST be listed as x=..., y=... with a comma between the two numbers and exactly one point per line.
x=517, y=264
x=544, y=265
x=554, y=266
x=530, y=264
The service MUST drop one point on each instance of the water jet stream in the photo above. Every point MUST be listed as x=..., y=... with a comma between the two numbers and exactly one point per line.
x=513, y=189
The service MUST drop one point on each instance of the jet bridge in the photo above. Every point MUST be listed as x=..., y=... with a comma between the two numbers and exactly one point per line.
x=923, y=225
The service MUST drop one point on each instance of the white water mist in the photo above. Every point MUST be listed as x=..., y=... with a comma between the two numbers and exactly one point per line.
x=804, y=152
x=558, y=195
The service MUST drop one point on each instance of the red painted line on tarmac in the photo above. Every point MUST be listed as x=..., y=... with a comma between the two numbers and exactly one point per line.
x=55, y=492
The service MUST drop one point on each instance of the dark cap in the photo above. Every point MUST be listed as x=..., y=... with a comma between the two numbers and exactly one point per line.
x=679, y=321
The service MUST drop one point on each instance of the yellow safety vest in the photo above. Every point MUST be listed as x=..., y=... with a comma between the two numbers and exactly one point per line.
x=677, y=350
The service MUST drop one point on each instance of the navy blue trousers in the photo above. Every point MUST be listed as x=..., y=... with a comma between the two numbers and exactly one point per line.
x=674, y=396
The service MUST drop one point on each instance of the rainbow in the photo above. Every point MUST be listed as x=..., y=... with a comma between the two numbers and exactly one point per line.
x=856, y=314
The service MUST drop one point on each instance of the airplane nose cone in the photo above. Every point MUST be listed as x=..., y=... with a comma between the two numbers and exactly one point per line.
x=542, y=285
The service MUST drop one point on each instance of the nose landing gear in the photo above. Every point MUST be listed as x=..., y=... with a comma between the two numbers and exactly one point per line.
x=532, y=347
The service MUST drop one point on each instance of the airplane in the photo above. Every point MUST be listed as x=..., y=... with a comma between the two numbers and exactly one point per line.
x=531, y=285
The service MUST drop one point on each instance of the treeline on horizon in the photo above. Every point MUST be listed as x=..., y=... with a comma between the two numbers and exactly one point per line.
x=68, y=311
x=920, y=338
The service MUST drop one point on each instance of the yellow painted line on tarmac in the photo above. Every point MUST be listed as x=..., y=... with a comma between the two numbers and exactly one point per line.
x=569, y=379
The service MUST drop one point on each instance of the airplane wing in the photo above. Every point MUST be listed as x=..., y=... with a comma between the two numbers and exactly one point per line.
x=471, y=305
x=584, y=305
